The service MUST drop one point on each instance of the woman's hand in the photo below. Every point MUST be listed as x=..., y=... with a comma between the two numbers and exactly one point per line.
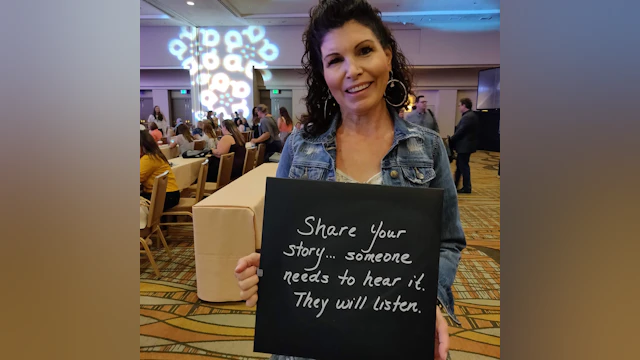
x=441, y=347
x=246, y=273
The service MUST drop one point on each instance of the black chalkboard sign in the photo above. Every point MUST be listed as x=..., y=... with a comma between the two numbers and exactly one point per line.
x=349, y=271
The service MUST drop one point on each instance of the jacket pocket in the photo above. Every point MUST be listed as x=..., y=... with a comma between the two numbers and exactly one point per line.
x=307, y=170
x=420, y=175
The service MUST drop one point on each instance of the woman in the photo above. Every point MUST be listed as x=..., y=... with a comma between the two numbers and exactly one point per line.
x=153, y=130
x=351, y=61
x=183, y=139
x=285, y=124
x=161, y=120
x=152, y=164
x=209, y=136
x=255, y=121
x=232, y=141
x=239, y=123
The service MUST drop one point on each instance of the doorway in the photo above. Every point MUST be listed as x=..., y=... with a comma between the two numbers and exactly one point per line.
x=146, y=104
x=276, y=101
x=180, y=105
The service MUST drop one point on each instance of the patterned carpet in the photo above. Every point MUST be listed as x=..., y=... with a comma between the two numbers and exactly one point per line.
x=175, y=324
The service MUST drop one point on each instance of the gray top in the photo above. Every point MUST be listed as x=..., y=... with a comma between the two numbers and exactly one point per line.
x=425, y=119
x=268, y=124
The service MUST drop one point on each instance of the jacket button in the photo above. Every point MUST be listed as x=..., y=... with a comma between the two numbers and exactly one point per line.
x=394, y=174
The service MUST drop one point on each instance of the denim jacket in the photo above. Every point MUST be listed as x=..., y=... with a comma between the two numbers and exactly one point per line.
x=417, y=158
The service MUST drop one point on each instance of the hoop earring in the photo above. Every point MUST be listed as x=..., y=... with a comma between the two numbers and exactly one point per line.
x=390, y=85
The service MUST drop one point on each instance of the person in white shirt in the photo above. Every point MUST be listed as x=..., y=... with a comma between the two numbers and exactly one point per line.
x=182, y=139
x=209, y=136
x=160, y=120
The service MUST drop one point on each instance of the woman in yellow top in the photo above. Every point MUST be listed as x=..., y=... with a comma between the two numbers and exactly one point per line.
x=152, y=164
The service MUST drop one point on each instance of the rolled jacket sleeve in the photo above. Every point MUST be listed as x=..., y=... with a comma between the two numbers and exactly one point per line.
x=452, y=236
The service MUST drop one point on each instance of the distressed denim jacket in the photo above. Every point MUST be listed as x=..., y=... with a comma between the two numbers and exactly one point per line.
x=417, y=158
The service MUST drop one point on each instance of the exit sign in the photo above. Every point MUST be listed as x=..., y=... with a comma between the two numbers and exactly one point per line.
x=183, y=92
x=276, y=91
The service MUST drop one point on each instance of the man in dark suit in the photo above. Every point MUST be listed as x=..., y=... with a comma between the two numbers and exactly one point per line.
x=465, y=142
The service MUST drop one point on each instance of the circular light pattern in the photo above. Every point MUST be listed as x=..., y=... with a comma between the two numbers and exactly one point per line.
x=221, y=65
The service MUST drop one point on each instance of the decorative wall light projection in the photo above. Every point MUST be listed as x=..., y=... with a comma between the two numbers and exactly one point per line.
x=221, y=65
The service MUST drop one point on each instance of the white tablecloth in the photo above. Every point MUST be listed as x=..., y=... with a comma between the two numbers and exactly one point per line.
x=185, y=170
x=170, y=153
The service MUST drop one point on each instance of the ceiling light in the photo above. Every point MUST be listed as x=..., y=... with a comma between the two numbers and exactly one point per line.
x=191, y=3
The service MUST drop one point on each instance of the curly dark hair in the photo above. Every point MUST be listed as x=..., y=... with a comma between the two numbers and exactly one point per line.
x=333, y=14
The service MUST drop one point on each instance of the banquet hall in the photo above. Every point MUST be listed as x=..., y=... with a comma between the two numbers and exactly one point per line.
x=222, y=90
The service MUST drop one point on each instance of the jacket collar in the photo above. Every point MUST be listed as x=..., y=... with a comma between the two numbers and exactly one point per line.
x=401, y=131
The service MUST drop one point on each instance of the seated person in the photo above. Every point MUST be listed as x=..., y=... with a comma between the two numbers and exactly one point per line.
x=198, y=130
x=152, y=164
x=183, y=139
x=232, y=141
x=269, y=133
x=240, y=125
x=209, y=136
x=153, y=130
x=178, y=123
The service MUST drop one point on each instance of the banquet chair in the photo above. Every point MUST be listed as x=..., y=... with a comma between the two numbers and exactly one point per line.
x=185, y=204
x=247, y=136
x=249, y=160
x=199, y=145
x=224, y=176
x=262, y=148
x=153, y=220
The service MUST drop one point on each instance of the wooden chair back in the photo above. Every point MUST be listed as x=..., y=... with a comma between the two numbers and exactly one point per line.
x=224, y=171
x=249, y=160
x=157, y=199
x=247, y=136
x=218, y=132
x=199, y=145
x=202, y=180
x=262, y=148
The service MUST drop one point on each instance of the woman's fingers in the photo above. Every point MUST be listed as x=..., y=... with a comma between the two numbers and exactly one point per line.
x=246, y=294
x=247, y=273
x=248, y=261
x=442, y=336
x=252, y=300
x=248, y=282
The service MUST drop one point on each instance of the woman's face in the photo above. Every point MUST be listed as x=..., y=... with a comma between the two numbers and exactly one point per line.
x=356, y=67
x=156, y=109
x=225, y=131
